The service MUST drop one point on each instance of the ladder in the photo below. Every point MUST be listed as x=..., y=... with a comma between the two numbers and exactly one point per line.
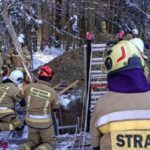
x=98, y=76
x=64, y=87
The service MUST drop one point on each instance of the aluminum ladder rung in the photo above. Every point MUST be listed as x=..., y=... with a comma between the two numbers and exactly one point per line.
x=97, y=59
x=98, y=93
x=93, y=101
x=92, y=106
x=93, y=97
x=99, y=75
x=98, y=72
x=98, y=47
x=98, y=82
x=97, y=63
x=98, y=78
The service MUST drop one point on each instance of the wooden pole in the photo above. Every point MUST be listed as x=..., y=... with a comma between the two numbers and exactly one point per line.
x=16, y=43
x=89, y=37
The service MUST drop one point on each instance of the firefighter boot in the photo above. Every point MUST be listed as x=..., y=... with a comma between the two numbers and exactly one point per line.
x=27, y=146
x=45, y=146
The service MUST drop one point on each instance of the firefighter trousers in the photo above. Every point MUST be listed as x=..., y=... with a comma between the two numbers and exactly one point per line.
x=40, y=139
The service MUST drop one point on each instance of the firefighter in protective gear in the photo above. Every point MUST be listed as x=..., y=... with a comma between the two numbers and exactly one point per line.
x=121, y=118
x=41, y=99
x=8, y=92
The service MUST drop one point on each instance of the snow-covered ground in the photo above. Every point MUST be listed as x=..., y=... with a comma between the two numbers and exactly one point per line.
x=64, y=142
x=48, y=54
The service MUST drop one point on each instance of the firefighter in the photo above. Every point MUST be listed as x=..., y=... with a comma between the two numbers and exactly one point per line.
x=8, y=96
x=13, y=58
x=121, y=118
x=41, y=100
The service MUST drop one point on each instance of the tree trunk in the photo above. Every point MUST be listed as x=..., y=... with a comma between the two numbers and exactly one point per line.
x=39, y=31
x=46, y=32
x=58, y=18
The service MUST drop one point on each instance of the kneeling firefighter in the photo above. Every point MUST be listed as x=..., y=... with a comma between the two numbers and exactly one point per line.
x=8, y=97
x=41, y=100
x=121, y=118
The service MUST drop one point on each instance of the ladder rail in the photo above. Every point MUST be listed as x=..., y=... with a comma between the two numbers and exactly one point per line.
x=63, y=88
x=98, y=77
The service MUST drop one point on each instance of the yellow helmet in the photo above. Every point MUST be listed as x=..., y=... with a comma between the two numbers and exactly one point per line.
x=124, y=56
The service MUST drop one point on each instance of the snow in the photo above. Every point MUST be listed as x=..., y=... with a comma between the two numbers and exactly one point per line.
x=22, y=35
x=64, y=100
x=45, y=56
x=21, y=38
x=29, y=18
x=9, y=135
x=67, y=99
x=38, y=21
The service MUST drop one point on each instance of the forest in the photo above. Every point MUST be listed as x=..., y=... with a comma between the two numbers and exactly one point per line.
x=56, y=22
x=28, y=26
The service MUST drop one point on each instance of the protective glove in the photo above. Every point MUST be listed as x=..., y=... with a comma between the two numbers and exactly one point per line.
x=18, y=125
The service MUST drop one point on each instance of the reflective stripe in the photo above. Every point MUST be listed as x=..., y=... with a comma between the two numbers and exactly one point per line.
x=39, y=120
x=14, y=55
x=11, y=127
x=39, y=116
x=125, y=125
x=2, y=96
x=27, y=147
x=3, y=90
x=39, y=93
x=7, y=111
x=123, y=115
x=42, y=147
x=45, y=107
x=28, y=101
x=3, y=108
x=4, y=87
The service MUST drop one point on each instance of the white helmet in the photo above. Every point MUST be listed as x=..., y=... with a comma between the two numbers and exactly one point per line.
x=16, y=76
x=135, y=32
x=140, y=45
